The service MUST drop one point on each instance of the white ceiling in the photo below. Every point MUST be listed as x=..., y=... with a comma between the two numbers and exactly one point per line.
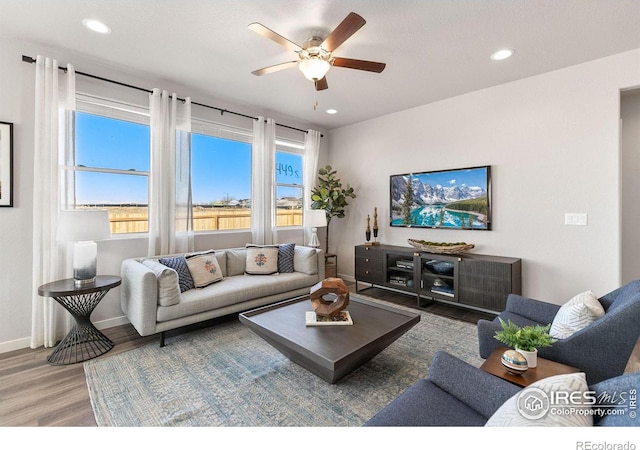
x=433, y=49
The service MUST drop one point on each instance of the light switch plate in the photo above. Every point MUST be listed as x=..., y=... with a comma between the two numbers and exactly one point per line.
x=575, y=219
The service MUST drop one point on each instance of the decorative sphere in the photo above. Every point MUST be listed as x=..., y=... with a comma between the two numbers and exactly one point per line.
x=514, y=362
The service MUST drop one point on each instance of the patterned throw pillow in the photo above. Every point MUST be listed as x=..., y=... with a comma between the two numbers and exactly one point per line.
x=204, y=269
x=262, y=260
x=179, y=264
x=285, y=257
x=576, y=314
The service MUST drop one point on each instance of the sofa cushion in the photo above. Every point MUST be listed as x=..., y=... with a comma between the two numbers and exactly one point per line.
x=168, y=287
x=576, y=314
x=261, y=260
x=285, y=258
x=234, y=290
x=236, y=261
x=204, y=269
x=179, y=264
x=305, y=260
x=511, y=413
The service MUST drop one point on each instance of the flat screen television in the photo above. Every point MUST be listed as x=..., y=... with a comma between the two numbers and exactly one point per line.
x=458, y=199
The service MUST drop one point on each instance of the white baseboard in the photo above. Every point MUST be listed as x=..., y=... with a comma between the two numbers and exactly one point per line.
x=25, y=342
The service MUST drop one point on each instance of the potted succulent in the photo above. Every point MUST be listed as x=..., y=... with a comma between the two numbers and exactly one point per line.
x=526, y=340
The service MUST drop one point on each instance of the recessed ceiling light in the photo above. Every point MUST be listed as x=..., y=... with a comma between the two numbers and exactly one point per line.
x=332, y=111
x=502, y=54
x=97, y=26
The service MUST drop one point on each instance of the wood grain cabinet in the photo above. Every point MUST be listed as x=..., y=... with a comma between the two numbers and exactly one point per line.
x=475, y=281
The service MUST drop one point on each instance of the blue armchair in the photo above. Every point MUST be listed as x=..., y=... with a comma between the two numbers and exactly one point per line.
x=601, y=350
x=456, y=393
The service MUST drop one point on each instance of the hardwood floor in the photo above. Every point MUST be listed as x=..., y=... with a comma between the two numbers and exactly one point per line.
x=36, y=394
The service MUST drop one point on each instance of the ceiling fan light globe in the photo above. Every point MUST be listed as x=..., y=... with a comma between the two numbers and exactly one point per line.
x=314, y=69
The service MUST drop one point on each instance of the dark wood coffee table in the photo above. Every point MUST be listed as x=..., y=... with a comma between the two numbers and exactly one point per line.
x=545, y=368
x=330, y=352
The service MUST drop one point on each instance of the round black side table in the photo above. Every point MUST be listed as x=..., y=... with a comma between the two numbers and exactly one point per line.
x=84, y=341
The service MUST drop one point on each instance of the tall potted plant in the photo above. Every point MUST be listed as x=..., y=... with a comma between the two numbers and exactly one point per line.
x=526, y=340
x=331, y=196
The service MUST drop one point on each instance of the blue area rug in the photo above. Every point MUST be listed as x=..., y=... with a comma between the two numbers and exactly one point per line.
x=228, y=376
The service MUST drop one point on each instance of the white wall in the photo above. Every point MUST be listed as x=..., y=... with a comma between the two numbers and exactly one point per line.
x=553, y=144
x=630, y=114
x=17, y=80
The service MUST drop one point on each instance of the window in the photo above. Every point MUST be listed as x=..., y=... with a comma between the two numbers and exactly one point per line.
x=111, y=164
x=289, y=184
x=221, y=182
x=110, y=169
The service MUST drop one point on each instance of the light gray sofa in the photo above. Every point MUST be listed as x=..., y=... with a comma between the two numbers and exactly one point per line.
x=153, y=303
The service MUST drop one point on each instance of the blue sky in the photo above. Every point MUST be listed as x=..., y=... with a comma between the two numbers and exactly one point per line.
x=220, y=168
x=476, y=177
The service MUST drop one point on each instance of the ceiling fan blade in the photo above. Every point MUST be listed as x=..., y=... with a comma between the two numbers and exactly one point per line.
x=321, y=84
x=270, y=34
x=359, y=64
x=275, y=68
x=352, y=23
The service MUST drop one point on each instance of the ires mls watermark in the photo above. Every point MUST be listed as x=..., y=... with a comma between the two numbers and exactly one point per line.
x=534, y=403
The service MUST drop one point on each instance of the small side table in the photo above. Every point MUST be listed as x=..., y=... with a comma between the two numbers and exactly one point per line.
x=330, y=265
x=84, y=341
x=545, y=368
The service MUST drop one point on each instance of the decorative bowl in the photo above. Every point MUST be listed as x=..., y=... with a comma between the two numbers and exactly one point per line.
x=439, y=267
x=514, y=362
x=440, y=247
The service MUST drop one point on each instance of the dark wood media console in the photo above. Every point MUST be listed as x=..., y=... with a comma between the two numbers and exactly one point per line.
x=470, y=280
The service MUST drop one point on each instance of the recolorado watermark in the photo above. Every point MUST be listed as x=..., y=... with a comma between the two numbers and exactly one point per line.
x=589, y=445
x=534, y=403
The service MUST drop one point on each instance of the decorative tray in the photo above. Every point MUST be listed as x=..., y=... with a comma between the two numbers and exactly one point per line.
x=440, y=247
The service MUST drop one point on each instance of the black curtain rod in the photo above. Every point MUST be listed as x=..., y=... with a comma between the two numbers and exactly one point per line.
x=30, y=60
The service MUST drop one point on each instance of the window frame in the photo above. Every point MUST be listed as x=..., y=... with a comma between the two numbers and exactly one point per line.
x=229, y=132
x=110, y=109
x=297, y=148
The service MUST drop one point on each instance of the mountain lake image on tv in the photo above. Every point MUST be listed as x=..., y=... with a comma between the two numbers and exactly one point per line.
x=457, y=199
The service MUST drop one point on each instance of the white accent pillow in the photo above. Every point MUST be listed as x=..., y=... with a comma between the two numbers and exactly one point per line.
x=168, y=287
x=204, y=269
x=305, y=260
x=534, y=406
x=576, y=314
x=262, y=260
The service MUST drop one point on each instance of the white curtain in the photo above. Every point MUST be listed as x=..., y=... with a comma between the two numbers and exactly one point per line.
x=263, y=204
x=170, y=224
x=53, y=135
x=310, y=173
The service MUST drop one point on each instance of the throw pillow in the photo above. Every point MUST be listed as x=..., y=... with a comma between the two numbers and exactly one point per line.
x=305, y=260
x=262, y=260
x=576, y=314
x=535, y=406
x=285, y=257
x=168, y=287
x=236, y=261
x=204, y=269
x=179, y=264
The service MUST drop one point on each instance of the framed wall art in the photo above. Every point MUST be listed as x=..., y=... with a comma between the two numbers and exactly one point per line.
x=6, y=164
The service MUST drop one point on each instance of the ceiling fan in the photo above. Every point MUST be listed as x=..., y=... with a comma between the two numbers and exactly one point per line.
x=315, y=56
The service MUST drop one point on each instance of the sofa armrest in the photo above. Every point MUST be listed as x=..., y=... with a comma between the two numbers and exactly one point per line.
x=481, y=391
x=139, y=296
x=321, y=264
x=532, y=309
